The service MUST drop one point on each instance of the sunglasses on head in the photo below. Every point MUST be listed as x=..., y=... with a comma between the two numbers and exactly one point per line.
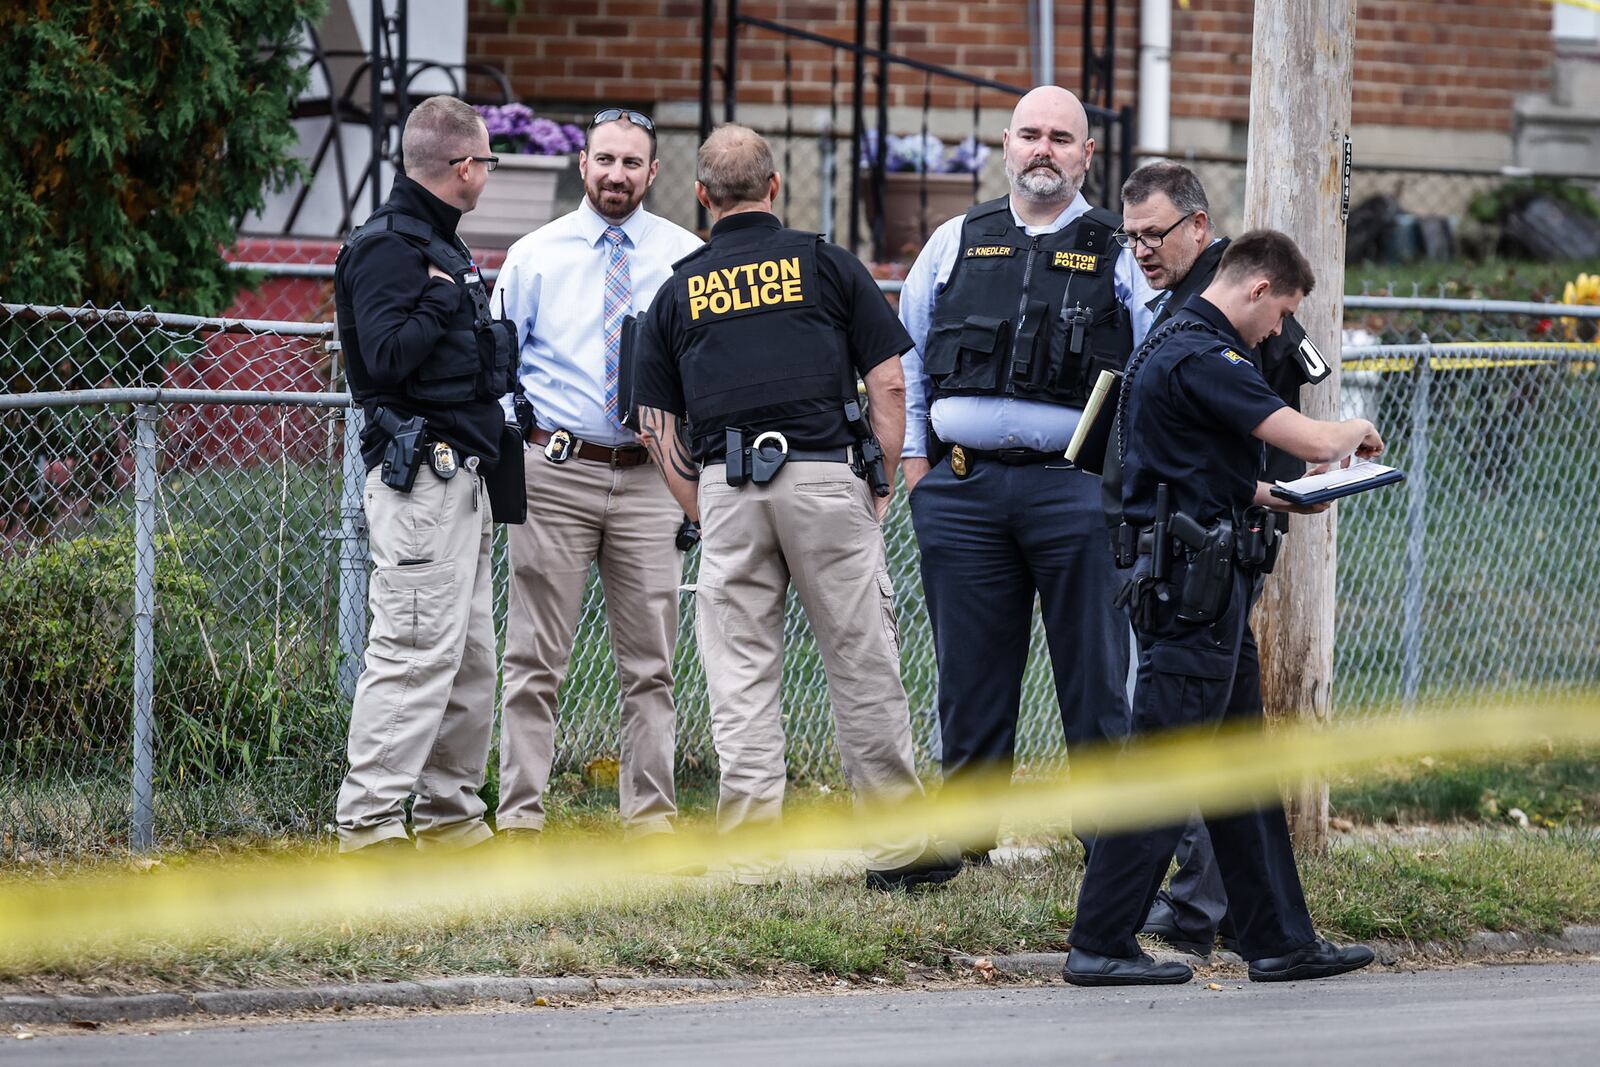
x=612, y=114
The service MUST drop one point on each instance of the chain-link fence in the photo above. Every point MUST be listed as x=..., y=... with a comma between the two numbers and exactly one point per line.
x=1391, y=205
x=182, y=569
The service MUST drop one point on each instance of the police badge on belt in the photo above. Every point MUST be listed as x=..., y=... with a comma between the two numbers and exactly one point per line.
x=442, y=458
x=958, y=461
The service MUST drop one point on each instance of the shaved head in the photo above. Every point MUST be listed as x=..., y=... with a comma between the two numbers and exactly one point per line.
x=1052, y=104
x=1047, y=148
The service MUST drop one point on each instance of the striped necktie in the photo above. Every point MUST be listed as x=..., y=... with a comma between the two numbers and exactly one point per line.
x=619, y=301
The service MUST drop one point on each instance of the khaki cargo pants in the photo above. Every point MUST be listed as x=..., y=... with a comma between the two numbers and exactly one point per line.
x=424, y=707
x=814, y=525
x=580, y=513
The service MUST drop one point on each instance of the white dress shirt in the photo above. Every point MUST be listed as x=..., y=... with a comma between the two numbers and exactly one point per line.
x=993, y=421
x=552, y=285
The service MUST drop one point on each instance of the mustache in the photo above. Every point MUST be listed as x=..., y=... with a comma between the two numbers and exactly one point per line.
x=1044, y=164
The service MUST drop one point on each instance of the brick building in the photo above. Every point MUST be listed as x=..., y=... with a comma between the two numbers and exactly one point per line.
x=1434, y=81
x=1476, y=84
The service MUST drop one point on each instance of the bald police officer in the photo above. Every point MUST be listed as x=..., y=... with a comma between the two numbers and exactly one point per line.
x=746, y=387
x=1015, y=309
x=1195, y=413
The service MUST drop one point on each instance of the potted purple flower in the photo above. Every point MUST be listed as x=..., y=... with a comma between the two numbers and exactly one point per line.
x=925, y=183
x=521, y=195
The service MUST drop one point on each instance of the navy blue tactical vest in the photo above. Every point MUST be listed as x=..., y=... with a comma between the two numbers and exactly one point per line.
x=1030, y=317
x=756, y=335
x=475, y=360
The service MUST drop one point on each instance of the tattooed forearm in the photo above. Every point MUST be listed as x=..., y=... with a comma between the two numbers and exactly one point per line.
x=662, y=434
x=681, y=458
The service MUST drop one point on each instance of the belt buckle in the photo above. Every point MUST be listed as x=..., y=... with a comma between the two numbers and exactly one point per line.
x=559, y=448
x=614, y=458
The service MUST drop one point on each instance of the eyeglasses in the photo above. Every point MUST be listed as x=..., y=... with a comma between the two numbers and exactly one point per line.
x=491, y=162
x=612, y=114
x=1149, y=240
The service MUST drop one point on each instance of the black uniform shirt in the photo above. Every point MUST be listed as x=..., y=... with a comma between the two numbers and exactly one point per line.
x=850, y=297
x=1195, y=400
x=400, y=315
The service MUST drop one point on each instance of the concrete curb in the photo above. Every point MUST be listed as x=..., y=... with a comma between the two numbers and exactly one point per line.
x=1573, y=941
x=455, y=992
x=428, y=993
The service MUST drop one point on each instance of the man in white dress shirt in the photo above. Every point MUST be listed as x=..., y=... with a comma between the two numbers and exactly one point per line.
x=592, y=495
x=1015, y=309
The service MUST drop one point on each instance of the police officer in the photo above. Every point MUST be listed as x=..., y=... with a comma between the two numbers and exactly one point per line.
x=428, y=364
x=746, y=388
x=1195, y=412
x=1016, y=308
x=1166, y=223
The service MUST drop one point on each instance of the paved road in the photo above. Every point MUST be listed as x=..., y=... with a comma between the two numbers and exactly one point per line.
x=1544, y=1014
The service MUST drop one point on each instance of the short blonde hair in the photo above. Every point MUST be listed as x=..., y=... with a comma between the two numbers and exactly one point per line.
x=734, y=165
x=439, y=129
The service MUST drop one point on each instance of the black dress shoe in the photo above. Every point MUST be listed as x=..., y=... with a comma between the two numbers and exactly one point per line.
x=930, y=868
x=1320, y=959
x=1090, y=968
x=977, y=857
x=1170, y=935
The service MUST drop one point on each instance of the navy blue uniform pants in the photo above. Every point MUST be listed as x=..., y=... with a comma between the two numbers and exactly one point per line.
x=1188, y=675
x=989, y=543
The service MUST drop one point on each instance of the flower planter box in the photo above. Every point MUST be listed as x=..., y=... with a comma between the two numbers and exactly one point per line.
x=907, y=223
x=520, y=197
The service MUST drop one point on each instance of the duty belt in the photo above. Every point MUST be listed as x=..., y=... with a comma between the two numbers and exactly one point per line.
x=1245, y=553
x=561, y=446
x=963, y=459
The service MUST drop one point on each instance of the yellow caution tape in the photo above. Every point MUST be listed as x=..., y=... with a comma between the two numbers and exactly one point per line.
x=117, y=913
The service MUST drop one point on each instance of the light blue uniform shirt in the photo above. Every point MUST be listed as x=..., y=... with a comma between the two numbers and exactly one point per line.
x=552, y=286
x=990, y=422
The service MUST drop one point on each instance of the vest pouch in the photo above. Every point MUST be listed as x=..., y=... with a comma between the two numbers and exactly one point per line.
x=496, y=360
x=1030, y=365
x=1110, y=342
x=965, y=356
x=453, y=374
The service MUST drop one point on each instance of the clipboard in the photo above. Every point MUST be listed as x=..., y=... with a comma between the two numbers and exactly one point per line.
x=1337, y=484
x=1092, y=437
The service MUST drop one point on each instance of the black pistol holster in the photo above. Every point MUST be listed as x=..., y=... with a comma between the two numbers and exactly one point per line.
x=1208, y=578
x=404, y=454
x=867, y=462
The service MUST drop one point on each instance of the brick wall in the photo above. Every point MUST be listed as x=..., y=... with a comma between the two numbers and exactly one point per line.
x=1451, y=64
x=1445, y=64
x=648, y=51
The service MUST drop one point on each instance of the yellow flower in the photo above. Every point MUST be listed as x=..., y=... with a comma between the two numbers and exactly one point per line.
x=1585, y=289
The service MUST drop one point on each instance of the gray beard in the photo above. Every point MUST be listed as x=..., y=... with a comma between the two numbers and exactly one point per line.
x=1043, y=186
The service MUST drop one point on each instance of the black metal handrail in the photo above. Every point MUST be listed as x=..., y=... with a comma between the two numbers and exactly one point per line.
x=1118, y=123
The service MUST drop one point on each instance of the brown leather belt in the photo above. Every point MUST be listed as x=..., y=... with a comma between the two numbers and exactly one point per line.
x=623, y=456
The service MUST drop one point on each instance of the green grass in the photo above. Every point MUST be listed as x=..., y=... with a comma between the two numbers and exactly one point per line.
x=1490, y=279
x=1534, y=883
x=1550, y=787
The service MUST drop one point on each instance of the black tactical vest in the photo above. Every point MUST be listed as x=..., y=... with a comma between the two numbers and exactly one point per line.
x=1030, y=317
x=475, y=360
x=756, y=335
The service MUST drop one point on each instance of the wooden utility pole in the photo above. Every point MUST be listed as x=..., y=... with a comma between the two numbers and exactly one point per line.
x=1299, y=122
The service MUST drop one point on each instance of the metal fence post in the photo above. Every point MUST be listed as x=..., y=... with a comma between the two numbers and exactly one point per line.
x=352, y=556
x=826, y=175
x=142, y=833
x=1416, y=528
